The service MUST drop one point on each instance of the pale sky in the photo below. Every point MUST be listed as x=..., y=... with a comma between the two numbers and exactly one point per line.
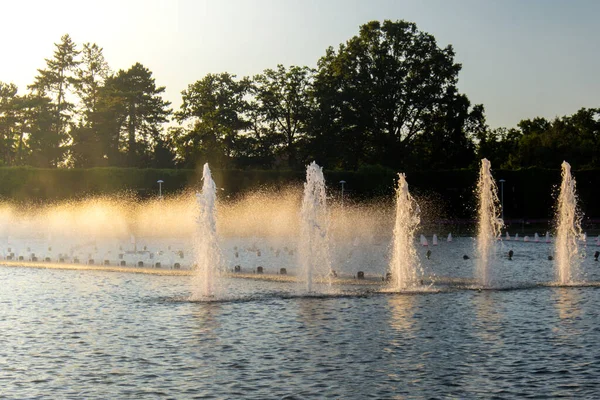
x=521, y=58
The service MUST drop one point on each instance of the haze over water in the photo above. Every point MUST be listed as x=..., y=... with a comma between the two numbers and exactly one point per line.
x=95, y=334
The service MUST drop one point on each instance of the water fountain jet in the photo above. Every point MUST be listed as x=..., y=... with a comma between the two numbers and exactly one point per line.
x=404, y=264
x=208, y=255
x=568, y=229
x=489, y=223
x=314, y=241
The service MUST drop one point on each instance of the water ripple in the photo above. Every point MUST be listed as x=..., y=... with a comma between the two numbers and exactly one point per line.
x=74, y=334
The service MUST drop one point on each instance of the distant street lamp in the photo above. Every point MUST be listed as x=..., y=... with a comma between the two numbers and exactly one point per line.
x=160, y=182
x=342, y=183
x=502, y=196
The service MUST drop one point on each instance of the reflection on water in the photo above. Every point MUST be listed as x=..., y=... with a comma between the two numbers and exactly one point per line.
x=206, y=316
x=402, y=313
x=568, y=303
x=490, y=317
x=313, y=312
x=94, y=335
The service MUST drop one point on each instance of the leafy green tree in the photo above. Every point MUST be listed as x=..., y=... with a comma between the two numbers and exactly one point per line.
x=283, y=98
x=214, y=107
x=585, y=125
x=447, y=139
x=382, y=89
x=500, y=146
x=259, y=146
x=333, y=140
x=163, y=153
x=87, y=147
x=546, y=144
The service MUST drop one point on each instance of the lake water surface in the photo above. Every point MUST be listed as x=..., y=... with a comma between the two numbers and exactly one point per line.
x=92, y=334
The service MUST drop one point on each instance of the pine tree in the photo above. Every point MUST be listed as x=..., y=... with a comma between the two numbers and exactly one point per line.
x=87, y=149
x=132, y=112
x=54, y=82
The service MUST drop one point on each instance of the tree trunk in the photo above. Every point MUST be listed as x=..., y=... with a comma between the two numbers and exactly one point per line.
x=131, y=128
x=19, y=156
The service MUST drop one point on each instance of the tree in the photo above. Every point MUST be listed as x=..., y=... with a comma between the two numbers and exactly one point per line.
x=500, y=146
x=446, y=141
x=55, y=81
x=131, y=113
x=546, y=144
x=38, y=140
x=284, y=101
x=92, y=73
x=383, y=88
x=215, y=107
x=26, y=134
x=87, y=147
x=9, y=121
x=163, y=153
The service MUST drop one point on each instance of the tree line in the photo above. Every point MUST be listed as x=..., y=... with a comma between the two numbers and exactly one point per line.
x=388, y=96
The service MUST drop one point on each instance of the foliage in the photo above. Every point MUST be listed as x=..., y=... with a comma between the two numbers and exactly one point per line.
x=541, y=143
x=215, y=106
x=9, y=122
x=387, y=98
x=387, y=87
x=54, y=82
x=283, y=100
x=142, y=110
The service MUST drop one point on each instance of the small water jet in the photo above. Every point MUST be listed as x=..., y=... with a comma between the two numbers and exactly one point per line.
x=568, y=229
x=206, y=245
x=404, y=264
x=314, y=241
x=489, y=223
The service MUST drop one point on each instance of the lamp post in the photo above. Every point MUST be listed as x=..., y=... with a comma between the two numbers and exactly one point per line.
x=160, y=182
x=502, y=196
x=342, y=183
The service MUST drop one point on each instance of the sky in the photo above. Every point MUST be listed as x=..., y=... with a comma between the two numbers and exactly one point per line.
x=520, y=58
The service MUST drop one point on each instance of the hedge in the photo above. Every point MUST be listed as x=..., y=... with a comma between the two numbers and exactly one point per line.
x=528, y=193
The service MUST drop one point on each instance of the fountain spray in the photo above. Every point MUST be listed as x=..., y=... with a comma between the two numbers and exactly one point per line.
x=489, y=223
x=404, y=264
x=568, y=228
x=314, y=240
x=206, y=245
